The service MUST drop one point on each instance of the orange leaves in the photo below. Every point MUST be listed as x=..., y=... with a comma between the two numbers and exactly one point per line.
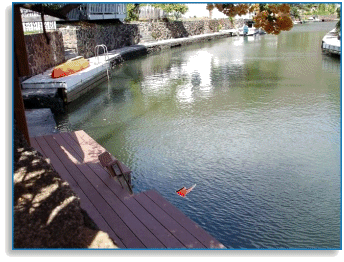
x=284, y=8
x=272, y=18
x=233, y=10
x=242, y=9
x=273, y=24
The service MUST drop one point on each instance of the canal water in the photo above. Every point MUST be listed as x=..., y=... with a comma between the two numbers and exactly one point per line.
x=254, y=122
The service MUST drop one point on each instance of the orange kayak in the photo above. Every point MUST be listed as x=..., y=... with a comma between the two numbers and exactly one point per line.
x=70, y=67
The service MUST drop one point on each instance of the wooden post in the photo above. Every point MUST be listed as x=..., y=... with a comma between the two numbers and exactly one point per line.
x=20, y=68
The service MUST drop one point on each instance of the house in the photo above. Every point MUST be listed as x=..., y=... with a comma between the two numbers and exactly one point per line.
x=98, y=12
x=32, y=20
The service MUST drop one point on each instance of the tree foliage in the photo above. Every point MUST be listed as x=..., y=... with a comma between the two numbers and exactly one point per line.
x=338, y=24
x=132, y=12
x=272, y=18
x=170, y=8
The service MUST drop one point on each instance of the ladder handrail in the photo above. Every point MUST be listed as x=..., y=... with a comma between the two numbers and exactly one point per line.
x=105, y=52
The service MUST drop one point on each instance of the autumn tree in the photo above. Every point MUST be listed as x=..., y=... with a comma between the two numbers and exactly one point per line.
x=272, y=18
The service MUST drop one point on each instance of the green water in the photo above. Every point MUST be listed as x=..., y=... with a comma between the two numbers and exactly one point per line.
x=255, y=122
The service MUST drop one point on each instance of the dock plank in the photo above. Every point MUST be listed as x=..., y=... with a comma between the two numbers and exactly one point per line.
x=128, y=217
x=115, y=222
x=85, y=203
x=198, y=232
x=36, y=146
x=168, y=222
x=143, y=220
x=97, y=168
x=166, y=238
x=94, y=149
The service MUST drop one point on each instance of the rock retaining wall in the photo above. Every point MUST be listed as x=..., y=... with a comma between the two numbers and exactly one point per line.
x=42, y=56
x=84, y=38
x=177, y=29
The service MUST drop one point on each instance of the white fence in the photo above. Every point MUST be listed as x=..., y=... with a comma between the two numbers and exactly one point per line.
x=32, y=21
x=98, y=11
x=37, y=26
x=149, y=12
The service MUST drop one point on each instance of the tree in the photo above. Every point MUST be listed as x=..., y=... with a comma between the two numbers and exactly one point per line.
x=338, y=24
x=272, y=18
x=176, y=9
x=210, y=8
x=132, y=12
x=294, y=12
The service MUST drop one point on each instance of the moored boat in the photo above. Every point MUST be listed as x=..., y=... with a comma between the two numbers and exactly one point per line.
x=251, y=31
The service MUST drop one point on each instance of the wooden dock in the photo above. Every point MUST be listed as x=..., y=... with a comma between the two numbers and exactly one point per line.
x=138, y=221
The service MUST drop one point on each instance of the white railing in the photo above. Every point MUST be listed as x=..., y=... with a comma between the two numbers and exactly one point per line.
x=106, y=9
x=32, y=21
x=28, y=13
x=37, y=26
x=95, y=11
x=149, y=12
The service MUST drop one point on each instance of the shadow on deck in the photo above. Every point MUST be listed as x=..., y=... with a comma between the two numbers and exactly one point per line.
x=143, y=220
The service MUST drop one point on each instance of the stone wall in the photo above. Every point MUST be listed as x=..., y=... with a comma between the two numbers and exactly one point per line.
x=83, y=39
x=176, y=29
x=42, y=56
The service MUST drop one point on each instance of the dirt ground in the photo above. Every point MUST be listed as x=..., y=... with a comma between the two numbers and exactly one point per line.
x=47, y=213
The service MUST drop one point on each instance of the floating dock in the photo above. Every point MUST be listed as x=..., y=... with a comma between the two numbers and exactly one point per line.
x=73, y=86
x=42, y=88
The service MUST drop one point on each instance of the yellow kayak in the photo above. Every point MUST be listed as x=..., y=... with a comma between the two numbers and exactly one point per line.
x=70, y=67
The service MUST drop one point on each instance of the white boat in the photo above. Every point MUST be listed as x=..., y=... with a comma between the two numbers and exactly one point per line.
x=251, y=31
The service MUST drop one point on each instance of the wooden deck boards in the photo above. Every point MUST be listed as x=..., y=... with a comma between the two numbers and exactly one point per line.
x=144, y=220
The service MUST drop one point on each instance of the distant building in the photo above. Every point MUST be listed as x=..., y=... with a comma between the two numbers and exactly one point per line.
x=32, y=20
x=98, y=12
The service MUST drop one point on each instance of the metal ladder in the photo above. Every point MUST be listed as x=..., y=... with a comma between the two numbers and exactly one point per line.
x=105, y=54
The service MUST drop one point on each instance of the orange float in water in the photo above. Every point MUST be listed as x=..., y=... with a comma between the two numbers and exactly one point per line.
x=183, y=191
x=70, y=67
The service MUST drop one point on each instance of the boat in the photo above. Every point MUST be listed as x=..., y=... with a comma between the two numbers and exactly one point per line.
x=70, y=67
x=251, y=31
